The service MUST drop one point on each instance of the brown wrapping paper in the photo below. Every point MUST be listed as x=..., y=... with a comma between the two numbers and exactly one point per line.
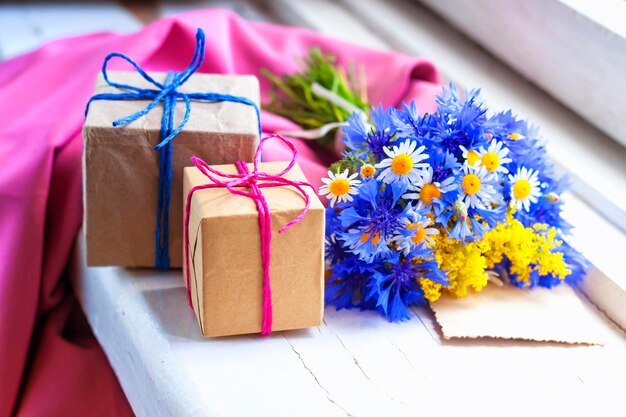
x=121, y=168
x=539, y=314
x=226, y=276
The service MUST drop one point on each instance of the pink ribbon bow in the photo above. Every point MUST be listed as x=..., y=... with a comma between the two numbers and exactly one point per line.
x=254, y=180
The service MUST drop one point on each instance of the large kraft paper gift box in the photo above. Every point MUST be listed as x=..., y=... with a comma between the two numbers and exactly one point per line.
x=121, y=169
x=226, y=275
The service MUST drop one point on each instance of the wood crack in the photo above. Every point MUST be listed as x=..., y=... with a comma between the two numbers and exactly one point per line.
x=327, y=394
x=413, y=368
x=356, y=361
x=358, y=365
x=414, y=310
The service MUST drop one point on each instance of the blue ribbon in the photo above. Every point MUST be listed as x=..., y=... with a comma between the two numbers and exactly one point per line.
x=167, y=93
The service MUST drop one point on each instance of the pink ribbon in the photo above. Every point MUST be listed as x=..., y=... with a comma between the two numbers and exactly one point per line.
x=254, y=180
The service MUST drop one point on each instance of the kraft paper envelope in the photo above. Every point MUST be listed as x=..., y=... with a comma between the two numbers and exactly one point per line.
x=508, y=312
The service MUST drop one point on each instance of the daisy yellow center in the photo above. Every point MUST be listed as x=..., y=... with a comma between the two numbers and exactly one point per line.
x=515, y=136
x=402, y=164
x=491, y=161
x=471, y=184
x=521, y=189
x=472, y=157
x=368, y=171
x=366, y=236
x=428, y=192
x=419, y=234
x=339, y=187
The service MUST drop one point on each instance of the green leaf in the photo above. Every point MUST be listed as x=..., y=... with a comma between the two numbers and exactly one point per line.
x=291, y=96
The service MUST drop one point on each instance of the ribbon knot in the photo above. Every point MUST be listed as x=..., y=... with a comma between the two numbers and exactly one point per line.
x=254, y=180
x=169, y=94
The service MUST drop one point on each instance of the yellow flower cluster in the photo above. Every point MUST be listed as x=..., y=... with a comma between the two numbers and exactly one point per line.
x=465, y=264
x=432, y=290
x=528, y=250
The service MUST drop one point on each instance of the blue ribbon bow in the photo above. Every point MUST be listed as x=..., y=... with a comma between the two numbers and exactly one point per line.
x=167, y=93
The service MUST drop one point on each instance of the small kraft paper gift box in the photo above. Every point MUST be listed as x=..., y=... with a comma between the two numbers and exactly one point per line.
x=133, y=213
x=225, y=259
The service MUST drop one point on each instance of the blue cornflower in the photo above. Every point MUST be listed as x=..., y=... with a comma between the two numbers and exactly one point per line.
x=575, y=262
x=396, y=285
x=444, y=164
x=334, y=249
x=519, y=137
x=466, y=223
x=372, y=220
x=363, y=138
x=458, y=122
x=409, y=124
x=346, y=287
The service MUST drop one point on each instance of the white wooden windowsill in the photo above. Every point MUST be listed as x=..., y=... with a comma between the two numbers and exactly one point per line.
x=573, y=49
x=356, y=364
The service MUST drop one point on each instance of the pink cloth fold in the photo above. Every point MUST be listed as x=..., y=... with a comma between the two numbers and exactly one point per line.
x=47, y=366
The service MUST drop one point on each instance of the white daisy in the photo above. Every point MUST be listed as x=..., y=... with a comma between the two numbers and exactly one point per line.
x=525, y=188
x=367, y=171
x=494, y=158
x=415, y=232
x=403, y=163
x=427, y=189
x=478, y=186
x=339, y=187
x=471, y=156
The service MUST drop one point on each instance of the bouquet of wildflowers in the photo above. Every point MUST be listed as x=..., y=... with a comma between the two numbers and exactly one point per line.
x=442, y=203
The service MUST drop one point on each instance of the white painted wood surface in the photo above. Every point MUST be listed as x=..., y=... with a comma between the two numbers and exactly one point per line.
x=603, y=245
x=357, y=364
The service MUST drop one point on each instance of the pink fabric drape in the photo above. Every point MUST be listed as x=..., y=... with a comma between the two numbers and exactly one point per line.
x=49, y=364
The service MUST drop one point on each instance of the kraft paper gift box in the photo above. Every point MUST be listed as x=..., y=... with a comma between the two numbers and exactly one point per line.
x=226, y=275
x=121, y=169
